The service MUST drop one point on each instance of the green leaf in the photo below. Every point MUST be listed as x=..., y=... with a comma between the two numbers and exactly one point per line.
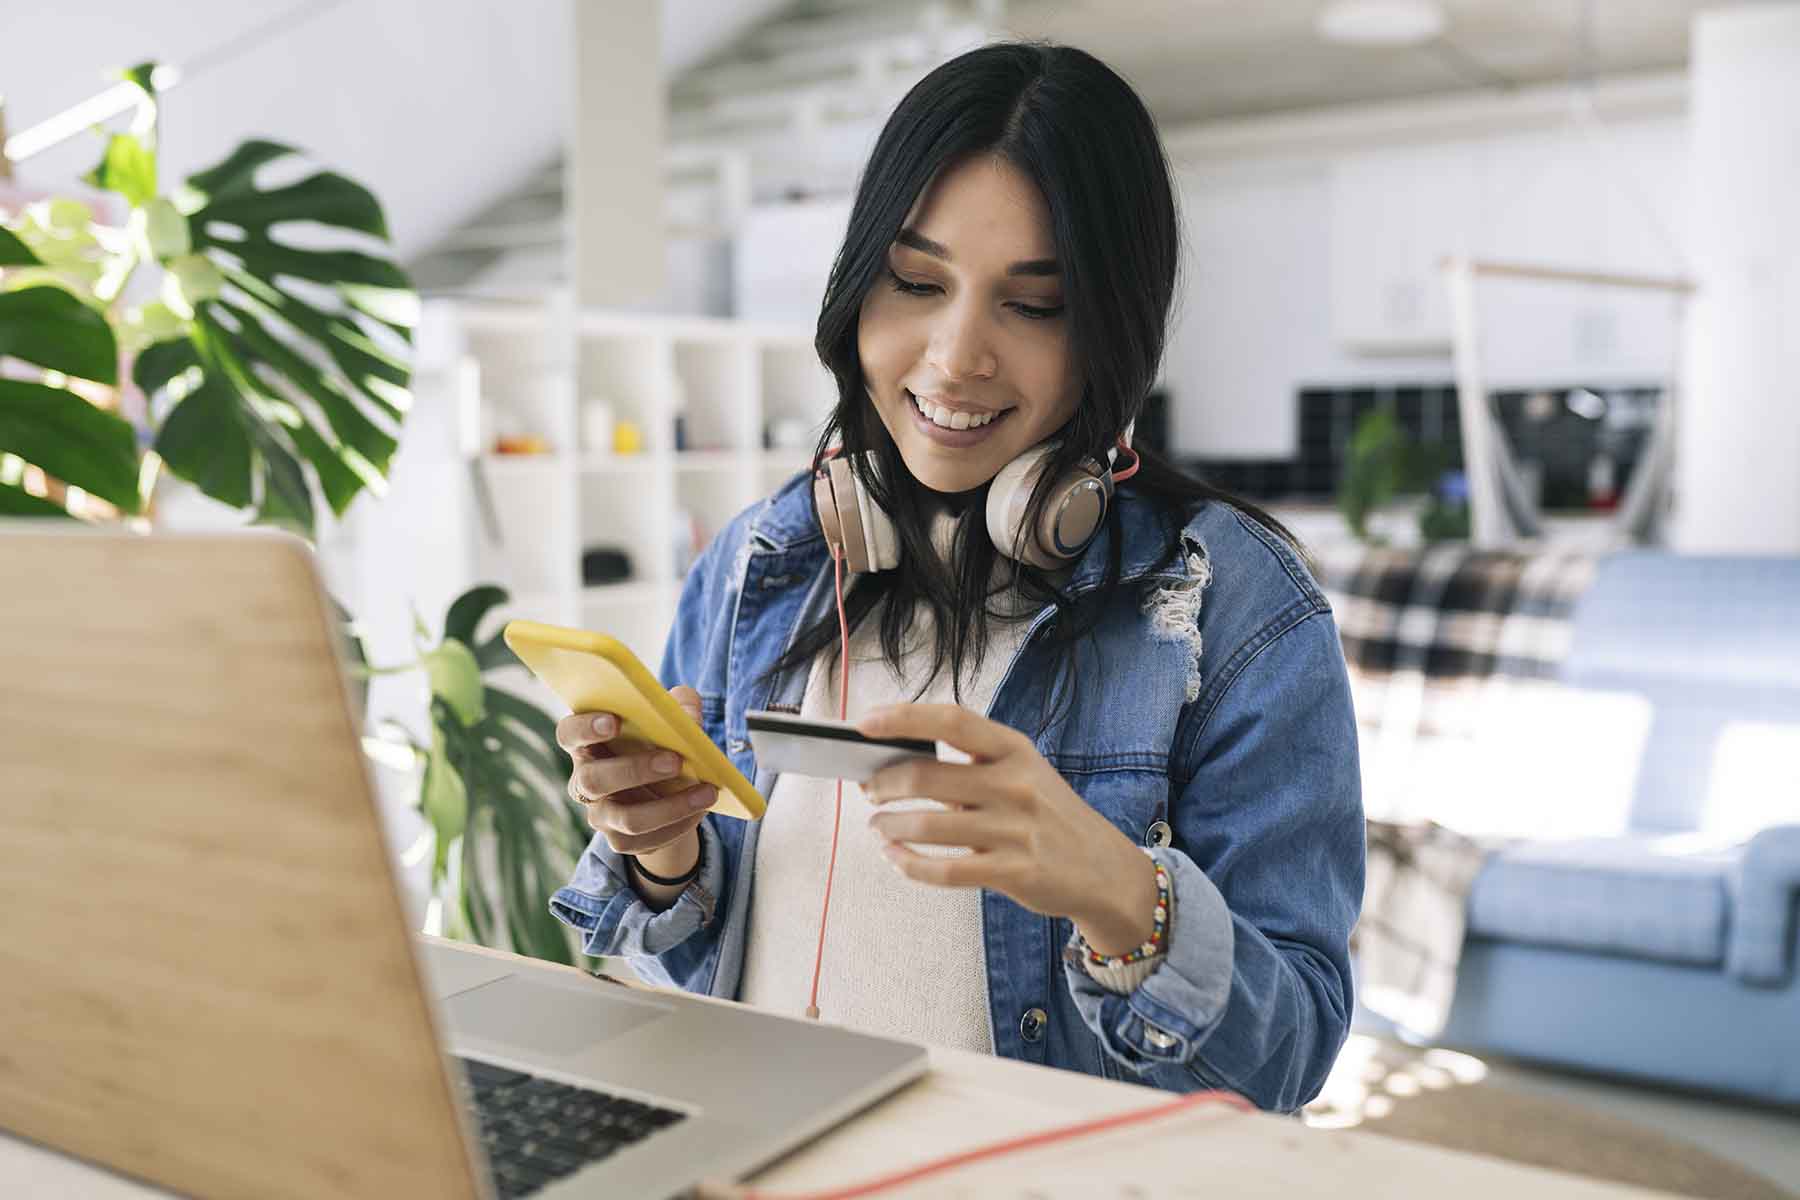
x=253, y=342
x=343, y=473
x=540, y=724
x=142, y=75
x=236, y=173
x=205, y=440
x=456, y=679
x=320, y=385
x=327, y=198
x=350, y=348
x=341, y=485
x=17, y=502
x=71, y=439
x=267, y=260
x=128, y=168
x=469, y=609
x=14, y=253
x=162, y=362
x=287, y=502
x=444, y=800
x=50, y=327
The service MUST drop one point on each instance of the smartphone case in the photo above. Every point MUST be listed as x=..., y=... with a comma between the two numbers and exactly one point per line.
x=593, y=672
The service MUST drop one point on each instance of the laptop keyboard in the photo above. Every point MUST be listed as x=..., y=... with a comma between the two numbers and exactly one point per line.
x=536, y=1131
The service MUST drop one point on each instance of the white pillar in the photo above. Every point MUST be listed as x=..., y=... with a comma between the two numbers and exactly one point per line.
x=616, y=138
x=1738, y=451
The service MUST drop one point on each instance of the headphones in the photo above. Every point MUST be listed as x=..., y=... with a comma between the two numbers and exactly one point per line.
x=858, y=528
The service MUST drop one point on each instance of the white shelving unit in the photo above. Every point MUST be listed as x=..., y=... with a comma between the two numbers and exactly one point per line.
x=534, y=367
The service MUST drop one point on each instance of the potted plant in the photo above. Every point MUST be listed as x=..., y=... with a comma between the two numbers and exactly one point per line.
x=194, y=340
x=1383, y=462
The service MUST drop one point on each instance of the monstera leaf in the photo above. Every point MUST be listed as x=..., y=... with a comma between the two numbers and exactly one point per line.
x=295, y=366
x=494, y=791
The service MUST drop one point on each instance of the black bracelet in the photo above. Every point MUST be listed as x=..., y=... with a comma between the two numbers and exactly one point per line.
x=692, y=872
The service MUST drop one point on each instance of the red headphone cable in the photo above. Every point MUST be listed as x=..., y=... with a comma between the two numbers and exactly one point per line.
x=837, y=819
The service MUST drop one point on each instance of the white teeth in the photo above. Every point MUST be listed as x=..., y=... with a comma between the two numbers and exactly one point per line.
x=944, y=417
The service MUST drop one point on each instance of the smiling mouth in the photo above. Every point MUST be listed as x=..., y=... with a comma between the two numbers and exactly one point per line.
x=952, y=419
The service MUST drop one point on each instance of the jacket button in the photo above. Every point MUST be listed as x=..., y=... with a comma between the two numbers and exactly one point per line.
x=1158, y=834
x=1031, y=1025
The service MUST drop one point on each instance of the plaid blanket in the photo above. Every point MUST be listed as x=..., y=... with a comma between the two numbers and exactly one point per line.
x=1434, y=639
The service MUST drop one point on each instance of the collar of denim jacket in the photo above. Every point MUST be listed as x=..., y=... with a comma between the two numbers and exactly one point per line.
x=786, y=524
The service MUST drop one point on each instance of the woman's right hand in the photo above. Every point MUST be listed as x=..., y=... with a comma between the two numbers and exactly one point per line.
x=635, y=819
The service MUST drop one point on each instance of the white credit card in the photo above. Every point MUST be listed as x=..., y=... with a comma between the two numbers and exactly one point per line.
x=833, y=749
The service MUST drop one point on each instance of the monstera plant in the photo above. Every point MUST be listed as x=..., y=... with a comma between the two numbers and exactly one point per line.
x=208, y=336
x=493, y=790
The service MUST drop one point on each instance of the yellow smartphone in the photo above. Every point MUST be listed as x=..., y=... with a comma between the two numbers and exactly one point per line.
x=592, y=672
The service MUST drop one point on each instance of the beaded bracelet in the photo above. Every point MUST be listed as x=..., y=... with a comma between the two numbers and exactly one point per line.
x=1148, y=949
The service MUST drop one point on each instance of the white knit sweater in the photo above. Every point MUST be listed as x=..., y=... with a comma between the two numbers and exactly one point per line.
x=902, y=959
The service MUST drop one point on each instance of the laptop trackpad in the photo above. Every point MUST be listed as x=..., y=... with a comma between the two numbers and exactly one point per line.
x=547, y=1017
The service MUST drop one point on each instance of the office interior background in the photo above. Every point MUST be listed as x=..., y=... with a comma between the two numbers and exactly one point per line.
x=1462, y=278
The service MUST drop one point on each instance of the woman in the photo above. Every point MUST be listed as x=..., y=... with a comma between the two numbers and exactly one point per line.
x=1150, y=868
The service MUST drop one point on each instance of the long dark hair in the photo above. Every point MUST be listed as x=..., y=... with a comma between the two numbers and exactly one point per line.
x=1067, y=122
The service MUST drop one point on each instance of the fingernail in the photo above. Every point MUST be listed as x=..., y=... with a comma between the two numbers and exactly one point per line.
x=666, y=762
x=704, y=798
x=606, y=725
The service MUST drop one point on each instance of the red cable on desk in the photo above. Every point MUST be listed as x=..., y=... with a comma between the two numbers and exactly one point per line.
x=1026, y=1142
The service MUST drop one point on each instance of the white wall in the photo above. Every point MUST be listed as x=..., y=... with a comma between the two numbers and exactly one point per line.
x=1292, y=222
x=1265, y=229
x=1737, y=485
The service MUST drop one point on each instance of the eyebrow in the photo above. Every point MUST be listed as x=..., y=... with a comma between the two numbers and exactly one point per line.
x=1034, y=266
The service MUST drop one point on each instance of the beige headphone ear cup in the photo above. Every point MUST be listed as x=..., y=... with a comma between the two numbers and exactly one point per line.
x=1007, y=497
x=1073, y=510
x=849, y=511
x=827, y=508
x=865, y=510
x=879, y=534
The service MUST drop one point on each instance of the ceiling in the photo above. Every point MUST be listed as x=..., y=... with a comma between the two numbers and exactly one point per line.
x=438, y=106
x=1207, y=59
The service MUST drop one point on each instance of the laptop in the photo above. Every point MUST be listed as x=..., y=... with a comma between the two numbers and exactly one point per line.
x=207, y=976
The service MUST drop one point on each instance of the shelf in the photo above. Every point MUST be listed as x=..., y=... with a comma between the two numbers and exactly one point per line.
x=544, y=361
x=623, y=464
x=520, y=463
x=709, y=460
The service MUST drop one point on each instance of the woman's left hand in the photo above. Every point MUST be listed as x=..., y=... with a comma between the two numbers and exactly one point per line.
x=1029, y=835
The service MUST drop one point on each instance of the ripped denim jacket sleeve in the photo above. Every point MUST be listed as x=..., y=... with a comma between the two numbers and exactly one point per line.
x=1255, y=992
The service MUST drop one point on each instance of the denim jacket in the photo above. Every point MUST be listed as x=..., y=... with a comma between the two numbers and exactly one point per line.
x=1217, y=731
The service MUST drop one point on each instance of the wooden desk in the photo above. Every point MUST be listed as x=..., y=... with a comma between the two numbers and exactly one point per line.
x=968, y=1100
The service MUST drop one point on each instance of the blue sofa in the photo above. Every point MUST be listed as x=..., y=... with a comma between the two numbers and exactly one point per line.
x=1666, y=948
